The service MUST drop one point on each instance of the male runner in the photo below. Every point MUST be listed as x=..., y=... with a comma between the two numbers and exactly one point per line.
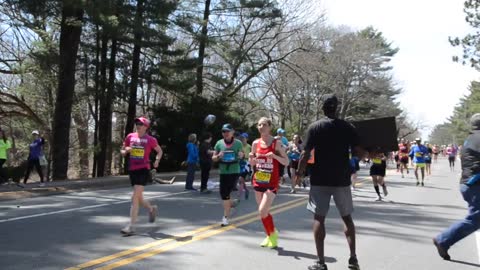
x=418, y=153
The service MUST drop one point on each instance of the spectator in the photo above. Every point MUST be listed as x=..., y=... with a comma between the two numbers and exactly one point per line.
x=34, y=156
x=206, y=153
x=4, y=146
x=192, y=160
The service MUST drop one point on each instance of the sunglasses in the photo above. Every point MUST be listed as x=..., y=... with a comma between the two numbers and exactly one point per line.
x=225, y=131
x=138, y=124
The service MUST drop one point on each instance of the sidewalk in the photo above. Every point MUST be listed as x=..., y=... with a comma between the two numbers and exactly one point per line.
x=12, y=191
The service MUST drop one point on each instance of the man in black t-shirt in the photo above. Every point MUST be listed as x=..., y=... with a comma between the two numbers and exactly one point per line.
x=331, y=138
x=470, y=189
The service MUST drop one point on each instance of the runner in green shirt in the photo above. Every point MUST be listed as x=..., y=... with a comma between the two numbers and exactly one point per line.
x=4, y=146
x=228, y=152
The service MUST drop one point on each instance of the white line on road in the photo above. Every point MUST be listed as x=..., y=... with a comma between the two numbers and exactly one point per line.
x=84, y=208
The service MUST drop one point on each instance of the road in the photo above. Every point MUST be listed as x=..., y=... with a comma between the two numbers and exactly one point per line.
x=81, y=230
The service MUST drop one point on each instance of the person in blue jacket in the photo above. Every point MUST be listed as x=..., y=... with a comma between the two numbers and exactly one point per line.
x=470, y=189
x=192, y=160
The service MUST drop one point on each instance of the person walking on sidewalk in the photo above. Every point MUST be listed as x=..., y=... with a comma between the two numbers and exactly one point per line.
x=138, y=146
x=4, y=146
x=192, y=160
x=266, y=156
x=34, y=157
x=331, y=139
x=205, y=154
x=470, y=189
x=228, y=152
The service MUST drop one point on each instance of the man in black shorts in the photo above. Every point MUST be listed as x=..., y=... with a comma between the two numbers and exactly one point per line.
x=331, y=139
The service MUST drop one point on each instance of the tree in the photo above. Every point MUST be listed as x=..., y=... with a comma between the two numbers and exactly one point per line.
x=70, y=31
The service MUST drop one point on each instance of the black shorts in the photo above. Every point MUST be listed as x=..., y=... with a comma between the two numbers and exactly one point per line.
x=428, y=161
x=244, y=174
x=294, y=164
x=451, y=159
x=264, y=189
x=139, y=177
x=404, y=160
x=227, y=184
x=378, y=170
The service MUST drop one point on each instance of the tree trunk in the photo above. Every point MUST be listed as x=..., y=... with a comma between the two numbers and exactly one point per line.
x=202, y=46
x=102, y=119
x=108, y=107
x=70, y=32
x=132, y=99
x=95, y=114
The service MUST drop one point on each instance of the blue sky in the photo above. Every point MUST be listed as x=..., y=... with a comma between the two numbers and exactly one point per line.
x=423, y=68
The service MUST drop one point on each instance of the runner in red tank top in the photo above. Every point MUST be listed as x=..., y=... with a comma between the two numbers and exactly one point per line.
x=266, y=156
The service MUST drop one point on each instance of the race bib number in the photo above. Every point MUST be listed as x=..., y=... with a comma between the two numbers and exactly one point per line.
x=377, y=161
x=263, y=177
x=228, y=156
x=137, y=152
x=419, y=154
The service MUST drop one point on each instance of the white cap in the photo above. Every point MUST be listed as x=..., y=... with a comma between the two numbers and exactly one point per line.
x=35, y=132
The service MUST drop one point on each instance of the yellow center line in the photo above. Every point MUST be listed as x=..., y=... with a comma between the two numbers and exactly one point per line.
x=167, y=240
x=194, y=239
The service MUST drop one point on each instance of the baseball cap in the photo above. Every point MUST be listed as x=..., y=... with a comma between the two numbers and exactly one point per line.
x=143, y=120
x=280, y=131
x=475, y=121
x=35, y=132
x=244, y=135
x=227, y=127
x=418, y=139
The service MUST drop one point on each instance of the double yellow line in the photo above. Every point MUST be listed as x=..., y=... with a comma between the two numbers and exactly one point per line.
x=152, y=249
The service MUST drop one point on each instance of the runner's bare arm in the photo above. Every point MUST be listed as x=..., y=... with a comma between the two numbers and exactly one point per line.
x=251, y=156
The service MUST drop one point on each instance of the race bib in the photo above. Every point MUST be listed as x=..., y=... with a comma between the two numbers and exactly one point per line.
x=377, y=161
x=263, y=177
x=228, y=156
x=419, y=154
x=138, y=152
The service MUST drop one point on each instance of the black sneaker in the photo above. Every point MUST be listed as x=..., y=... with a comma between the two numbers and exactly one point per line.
x=353, y=263
x=318, y=266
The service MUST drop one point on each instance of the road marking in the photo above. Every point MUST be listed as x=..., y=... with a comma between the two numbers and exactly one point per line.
x=183, y=235
x=477, y=234
x=194, y=239
x=85, y=207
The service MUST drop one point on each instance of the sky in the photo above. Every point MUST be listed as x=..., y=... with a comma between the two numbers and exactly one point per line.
x=432, y=83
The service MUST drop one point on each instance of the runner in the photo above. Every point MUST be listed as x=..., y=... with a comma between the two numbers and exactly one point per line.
x=266, y=156
x=4, y=146
x=138, y=146
x=244, y=168
x=355, y=167
x=418, y=153
x=293, y=152
x=470, y=188
x=397, y=160
x=403, y=153
x=34, y=157
x=228, y=152
x=436, y=151
x=451, y=153
x=281, y=133
x=331, y=139
x=377, y=172
x=428, y=159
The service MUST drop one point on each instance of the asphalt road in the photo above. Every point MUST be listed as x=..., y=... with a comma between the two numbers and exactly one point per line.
x=81, y=230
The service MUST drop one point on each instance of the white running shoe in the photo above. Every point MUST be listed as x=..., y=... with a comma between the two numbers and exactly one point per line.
x=128, y=230
x=378, y=199
x=225, y=221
